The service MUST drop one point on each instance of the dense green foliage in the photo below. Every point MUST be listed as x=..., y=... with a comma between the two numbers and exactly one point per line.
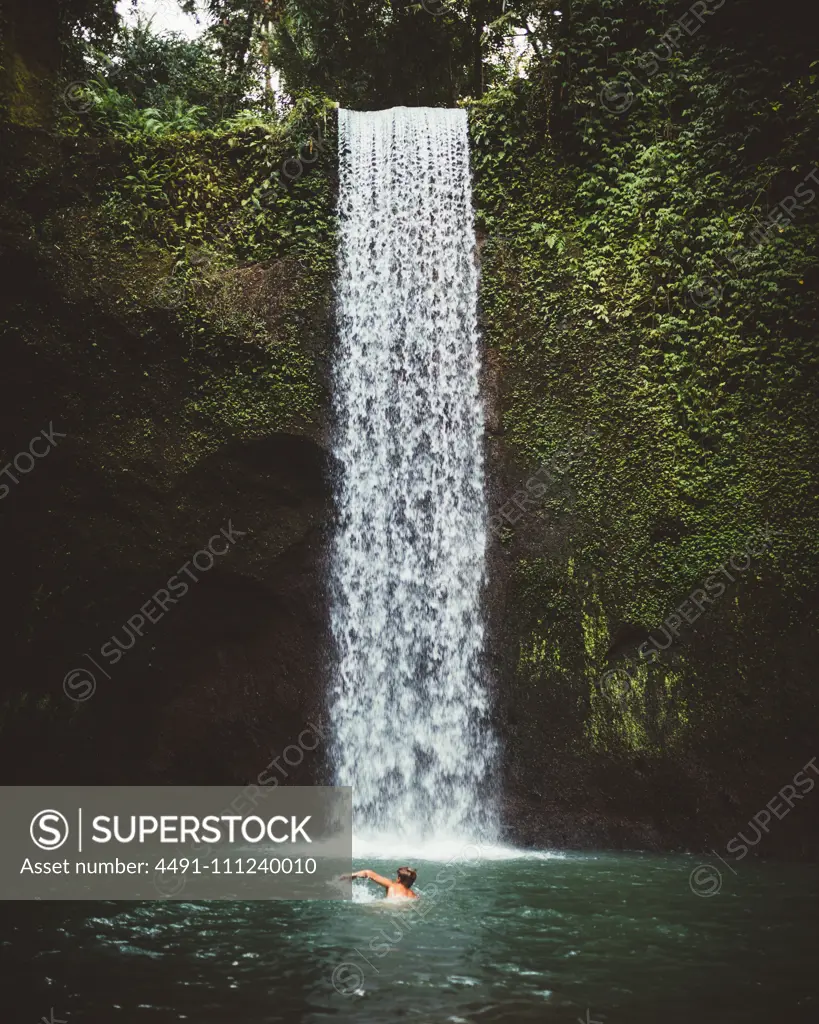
x=638, y=315
x=160, y=72
x=197, y=235
x=631, y=299
x=370, y=53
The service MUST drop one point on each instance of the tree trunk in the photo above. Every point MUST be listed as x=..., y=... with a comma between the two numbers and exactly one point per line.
x=477, y=50
x=30, y=60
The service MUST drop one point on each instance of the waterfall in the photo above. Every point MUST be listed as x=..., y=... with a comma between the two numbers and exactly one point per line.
x=409, y=703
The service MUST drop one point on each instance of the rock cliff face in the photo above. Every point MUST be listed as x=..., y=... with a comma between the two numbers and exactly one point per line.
x=197, y=398
x=652, y=595
x=181, y=404
x=604, y=749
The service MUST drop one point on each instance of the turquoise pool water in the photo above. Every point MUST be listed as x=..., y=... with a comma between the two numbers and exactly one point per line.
x=615, y=938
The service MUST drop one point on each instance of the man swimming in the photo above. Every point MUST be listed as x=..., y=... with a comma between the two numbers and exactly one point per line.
x=402, y=886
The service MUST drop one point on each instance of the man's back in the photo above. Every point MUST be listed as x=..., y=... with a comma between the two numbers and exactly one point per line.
x=397, y=889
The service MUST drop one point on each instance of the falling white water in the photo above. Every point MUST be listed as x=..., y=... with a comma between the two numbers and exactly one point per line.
x=409, y=701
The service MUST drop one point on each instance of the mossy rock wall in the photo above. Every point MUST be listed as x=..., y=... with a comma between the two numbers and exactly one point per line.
x=652, y=370
x=170, y=316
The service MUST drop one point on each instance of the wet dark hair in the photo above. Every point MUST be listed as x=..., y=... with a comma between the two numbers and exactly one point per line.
x=406, y=876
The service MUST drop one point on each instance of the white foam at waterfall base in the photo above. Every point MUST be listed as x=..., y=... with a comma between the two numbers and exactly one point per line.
x=409, y=700
x=463, y=851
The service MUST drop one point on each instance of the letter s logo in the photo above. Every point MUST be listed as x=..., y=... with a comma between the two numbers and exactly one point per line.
x=113, y=655
x=441, y=880
x=48, y=830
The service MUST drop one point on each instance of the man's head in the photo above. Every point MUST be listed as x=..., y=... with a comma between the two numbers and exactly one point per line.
x=406, y=876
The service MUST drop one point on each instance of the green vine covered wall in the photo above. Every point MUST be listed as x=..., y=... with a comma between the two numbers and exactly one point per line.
x=211, y=257
x=649, y=299
x=170, y=314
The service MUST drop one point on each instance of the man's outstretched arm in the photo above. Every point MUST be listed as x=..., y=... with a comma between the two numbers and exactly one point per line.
x=373, y=877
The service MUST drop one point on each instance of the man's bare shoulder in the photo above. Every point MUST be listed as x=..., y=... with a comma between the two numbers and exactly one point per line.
x=400, y=892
